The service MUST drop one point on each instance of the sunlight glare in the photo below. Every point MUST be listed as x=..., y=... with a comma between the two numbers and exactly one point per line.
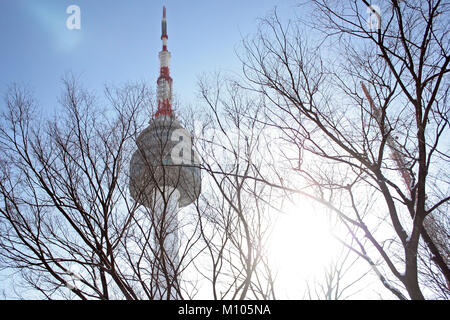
x=302, y=243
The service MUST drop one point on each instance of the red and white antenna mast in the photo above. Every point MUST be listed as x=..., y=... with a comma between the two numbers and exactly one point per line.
x=164, y=90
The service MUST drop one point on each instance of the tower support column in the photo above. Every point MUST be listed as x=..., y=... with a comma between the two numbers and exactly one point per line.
x=166, y=242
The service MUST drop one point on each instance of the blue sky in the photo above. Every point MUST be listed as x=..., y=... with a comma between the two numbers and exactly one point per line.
x=119, y=41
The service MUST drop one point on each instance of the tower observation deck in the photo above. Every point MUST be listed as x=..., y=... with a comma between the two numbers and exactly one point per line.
x=165, y=155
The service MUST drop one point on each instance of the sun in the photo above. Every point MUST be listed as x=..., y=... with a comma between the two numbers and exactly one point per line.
x=302, y=243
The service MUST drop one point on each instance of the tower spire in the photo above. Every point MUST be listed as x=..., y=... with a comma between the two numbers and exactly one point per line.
x=164, y=90
x=164, y=26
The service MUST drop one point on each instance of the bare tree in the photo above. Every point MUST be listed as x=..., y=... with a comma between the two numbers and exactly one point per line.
x=70, y=225
x=234, y=209
x=67, y=220
x=366, y=105
x=361, y=115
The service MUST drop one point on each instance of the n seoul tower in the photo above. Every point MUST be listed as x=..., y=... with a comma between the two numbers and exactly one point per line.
x=164, y=174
